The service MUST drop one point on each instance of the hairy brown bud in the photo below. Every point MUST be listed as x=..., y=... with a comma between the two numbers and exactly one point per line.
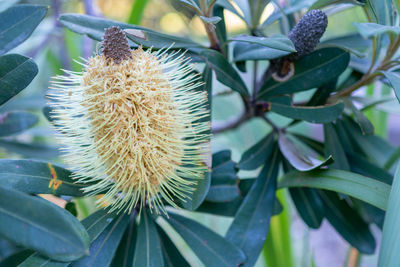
x=115, y=45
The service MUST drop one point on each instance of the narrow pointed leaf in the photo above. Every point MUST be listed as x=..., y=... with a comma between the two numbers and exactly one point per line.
x=172, y=256
x=15, y=122
x=275, y=42
x=35, y=177
x=37, y=224
x=124, y=255
x=243, y=51
x=211, y=248
x=297, y=157
x=394, y=79
x=333, y=147
x=224, y=71
x=148, y=250
x=94, y=28
x=347, y=222
x=257, y=155
x=308, y=205
x=17, y=24
x=94, y=225
x=249, y=229
x=311, y=71
x=388, y=255
x=102, y=249
x=36, y=151
x=318, y=114
x=16, y=73
x=364, y=188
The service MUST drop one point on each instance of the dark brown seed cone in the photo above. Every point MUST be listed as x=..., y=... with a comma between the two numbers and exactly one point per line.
x=115, y=45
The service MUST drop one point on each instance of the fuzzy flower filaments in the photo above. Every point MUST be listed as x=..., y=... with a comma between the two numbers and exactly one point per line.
x=131, y=125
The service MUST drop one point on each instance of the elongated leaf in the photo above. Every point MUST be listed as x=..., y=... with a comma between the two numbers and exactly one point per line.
x=298, y=158
x=279, y=42
x=388, y=255
x=365, y=125
x=243, y=51
x=347, y=222
x=363, y=166
x=102, y=249
x=16, y=259
x=35, y=177
x=333, y=147
x=312, y=71
x=35, y=151
x=172, y=256
x=368, y=30
x=323, y=3
x=124, y=255
x=257, y=155
x=148, y=250
x=94, y=28
x=318, y=114
x=211, y=248
x=308, y=205
x=224, y=71
x=94, y=225
x=249, y=229
x=382, y=11
x=17, y=24
x=16, y=72
x=15, y=122
x=37, y=224
x=223, y=193
x=394, y=79
x=364, y=188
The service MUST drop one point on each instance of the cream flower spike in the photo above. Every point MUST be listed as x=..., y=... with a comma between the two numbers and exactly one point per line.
x=131, y=125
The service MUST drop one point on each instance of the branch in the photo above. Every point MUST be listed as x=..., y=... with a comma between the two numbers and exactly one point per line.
x=219, y=127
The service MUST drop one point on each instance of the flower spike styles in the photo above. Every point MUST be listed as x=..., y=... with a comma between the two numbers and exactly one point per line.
x=132, y=125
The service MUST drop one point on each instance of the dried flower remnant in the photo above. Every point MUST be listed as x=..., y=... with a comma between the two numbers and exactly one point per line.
x=133, y=122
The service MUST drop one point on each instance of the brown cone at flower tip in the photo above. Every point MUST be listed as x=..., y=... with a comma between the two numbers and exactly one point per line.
x=115, y=45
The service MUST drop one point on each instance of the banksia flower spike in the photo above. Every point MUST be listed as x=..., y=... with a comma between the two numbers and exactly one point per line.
x=131, y=125
x=305, y=37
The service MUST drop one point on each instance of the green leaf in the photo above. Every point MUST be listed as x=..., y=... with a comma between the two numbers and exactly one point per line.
x=278, y=42
x=35, y=177
x=333, y=147
x=96, y=222
x=308, y=205
x=224, y=71
x=35, y=151
x=16, y=73
x=192, y=4
x=94, y=27
x=16, y=259
x=363, y=166
x=388, y=255
x=257, y=155
x=368, y=30
x=37, y=224
x=102, y=249
x=172, y=256
x=126, y=249
x=382, y=11
x=136, y=13
x=311, y=71
x=17, y=24
x=211, y=248
x=394, y=80
x=347, y=222
x=364, y=188
x=36, y=260
x=324, y=3
x=148, y=247
x=298, y=157
x=210, y=20
x=365, y=125
x=249, y=229
x=316, y=114
x=243, y=51
x=15, y=122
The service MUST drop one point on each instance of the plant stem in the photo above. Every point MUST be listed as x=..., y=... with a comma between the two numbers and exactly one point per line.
x=210, y=28
x=255, y=71
x=230, y=124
